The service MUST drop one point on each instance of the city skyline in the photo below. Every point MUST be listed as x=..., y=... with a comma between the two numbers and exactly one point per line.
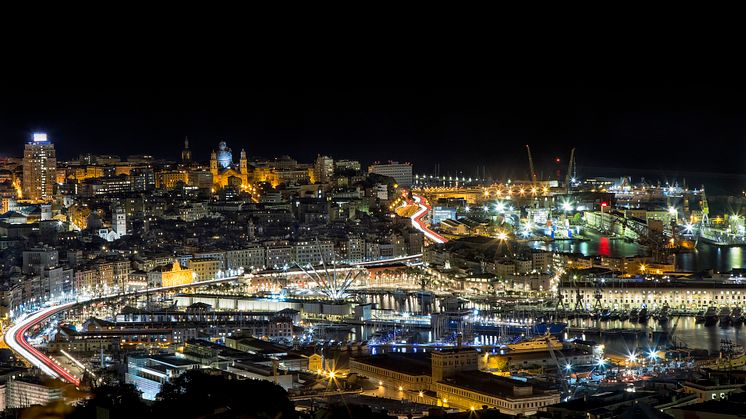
x=655, y=132
x=578, y=252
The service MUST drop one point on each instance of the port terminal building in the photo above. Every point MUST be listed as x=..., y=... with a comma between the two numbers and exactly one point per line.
x=452, y=378
x=683, y=294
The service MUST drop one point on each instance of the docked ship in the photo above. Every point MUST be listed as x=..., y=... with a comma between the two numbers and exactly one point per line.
x=711, y=316
x=700, y=317
x=553, y=328
x=724, y=316
x=737, y=316
x=642, y=316
x=536, y=344
x=540, y=328
x=663, y=316
x=633, y=315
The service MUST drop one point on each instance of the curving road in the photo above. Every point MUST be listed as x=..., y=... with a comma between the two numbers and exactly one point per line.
x=420, y=225
x=16, y=335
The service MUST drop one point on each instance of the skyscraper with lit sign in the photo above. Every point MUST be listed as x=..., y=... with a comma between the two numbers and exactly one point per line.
x=39, y=168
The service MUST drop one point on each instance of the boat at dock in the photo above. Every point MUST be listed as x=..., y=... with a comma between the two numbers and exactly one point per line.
x=643, y=316
x=663, y=316
x=634, y=314
x=536, y=344
x=699, y=317
x=724, y=317
x=737, y=316
x=711, y=316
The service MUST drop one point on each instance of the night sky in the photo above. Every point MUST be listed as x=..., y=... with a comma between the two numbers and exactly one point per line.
x=671, y=131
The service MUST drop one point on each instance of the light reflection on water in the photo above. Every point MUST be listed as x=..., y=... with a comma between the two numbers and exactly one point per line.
x=706, y=256
x=688, y=332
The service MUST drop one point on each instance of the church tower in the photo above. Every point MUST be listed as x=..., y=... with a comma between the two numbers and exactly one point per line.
x=243, y=164
x=243, y=168
x=214, y=165
x=186, y=154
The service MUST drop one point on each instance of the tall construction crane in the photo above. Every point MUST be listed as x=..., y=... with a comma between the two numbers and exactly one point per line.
x=531, y=165
x=570, y=164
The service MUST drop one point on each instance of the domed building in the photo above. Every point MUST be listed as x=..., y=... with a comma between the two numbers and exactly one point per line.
x=224, y=171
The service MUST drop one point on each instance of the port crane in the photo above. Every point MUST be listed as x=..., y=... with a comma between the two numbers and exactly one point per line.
x=560, y=369
x=531, y=165
x=569, y=176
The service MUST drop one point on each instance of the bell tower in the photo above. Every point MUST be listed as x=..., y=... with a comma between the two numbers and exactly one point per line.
x=243, y=168
x=243, y=163
x=214, y=165
x=186, y=154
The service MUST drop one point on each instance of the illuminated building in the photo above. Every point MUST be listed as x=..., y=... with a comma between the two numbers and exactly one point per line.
x=347, y=165
x=313, y=252
x=176, y=276
x=25, y=392
x=223, y=168
x=692, y=295
x=168, y=179
x=39, y=168
x=323, y=169
x=401, y=172
x=251, y=257
x=106, y=186
x=149, y=373
x=79, y=216
x=204, y=269
x=452, y=379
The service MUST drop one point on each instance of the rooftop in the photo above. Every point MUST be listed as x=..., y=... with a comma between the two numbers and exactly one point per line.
x=490, y=384
x=410, y=364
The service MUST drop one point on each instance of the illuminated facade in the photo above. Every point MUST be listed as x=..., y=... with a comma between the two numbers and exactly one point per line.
x=39, y=169
x=169, y=179
x=204, y=269
x=224, y=171
x=176, y=276
x=693, y=295
x=401, y=172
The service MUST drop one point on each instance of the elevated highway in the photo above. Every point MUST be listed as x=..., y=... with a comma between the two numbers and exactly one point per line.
x=16, y=336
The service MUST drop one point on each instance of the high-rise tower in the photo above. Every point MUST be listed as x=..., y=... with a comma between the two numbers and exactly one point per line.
x=39, y=168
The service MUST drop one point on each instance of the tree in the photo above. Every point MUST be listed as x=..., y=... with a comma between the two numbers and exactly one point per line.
x=121, y=401
x=197, y=393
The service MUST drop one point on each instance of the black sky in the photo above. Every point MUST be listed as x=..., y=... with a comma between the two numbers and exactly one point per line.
x=664, y=128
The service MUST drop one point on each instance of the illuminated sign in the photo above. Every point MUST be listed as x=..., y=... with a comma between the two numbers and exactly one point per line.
x=40, y=137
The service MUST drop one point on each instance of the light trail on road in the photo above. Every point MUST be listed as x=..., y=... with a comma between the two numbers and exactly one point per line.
x=420, y=225
x=16, y=335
